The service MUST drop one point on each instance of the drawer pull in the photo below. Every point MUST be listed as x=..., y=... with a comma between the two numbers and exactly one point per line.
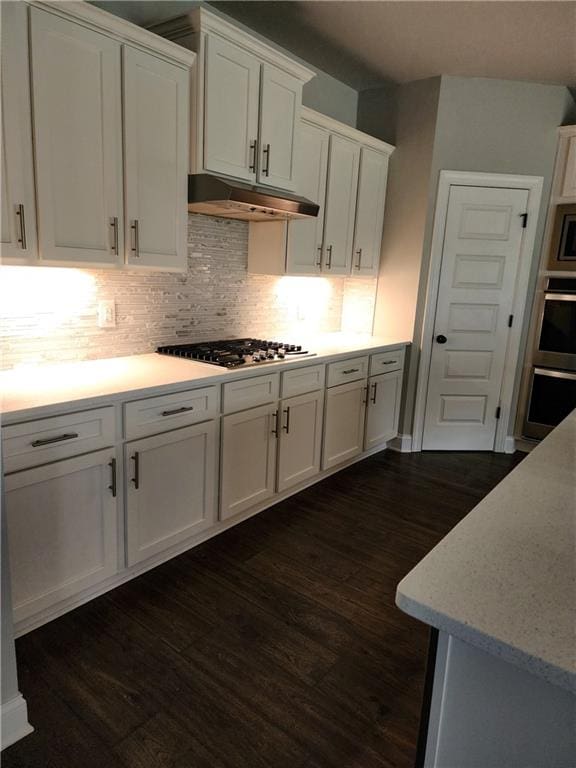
x=388, y=362
x=58, y=439
x=112, y=465
x=352, y=370
x=136, y=478
x=174, y=411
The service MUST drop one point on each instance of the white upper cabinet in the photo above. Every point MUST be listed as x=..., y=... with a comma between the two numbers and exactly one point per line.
x=156, y=161
x=18, y=232
x=340, y=205
x=232, y=93
x=369, y=212
x=279, y=122
x=78, y=137
x=304, y=245
x=247, y=97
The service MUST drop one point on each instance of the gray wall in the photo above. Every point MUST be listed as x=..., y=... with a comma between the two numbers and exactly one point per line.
x=377, y=112
x=329, y=96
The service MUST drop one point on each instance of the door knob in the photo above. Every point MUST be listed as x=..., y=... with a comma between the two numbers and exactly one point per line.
x=441, y=339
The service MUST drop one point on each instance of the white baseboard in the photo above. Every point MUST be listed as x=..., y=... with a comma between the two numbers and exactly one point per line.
x=509, y=444
x=15, y=723
x=402, y=444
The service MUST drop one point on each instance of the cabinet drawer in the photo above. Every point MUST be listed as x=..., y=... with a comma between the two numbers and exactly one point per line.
x=46, y=440
x=352, y=369
x=247, y=393
x=385, y=362
x=159, y=414
x=302, y=380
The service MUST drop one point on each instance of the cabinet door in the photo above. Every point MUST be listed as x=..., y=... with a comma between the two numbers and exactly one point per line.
x=156, y=161
x=279, y=123
x=78, y=140
x=369, y=213
x=569, y=180
x=18, y=229
x=383, y=412
x=62, y=530
x=304, y=249
x=248, y=459
x=300, y=439
x=344, y=423
x=340, y=205
x=231, y=98
x=170, y=496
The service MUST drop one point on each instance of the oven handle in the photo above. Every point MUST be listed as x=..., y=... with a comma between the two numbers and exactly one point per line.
x=554, y=374
x=560, y=297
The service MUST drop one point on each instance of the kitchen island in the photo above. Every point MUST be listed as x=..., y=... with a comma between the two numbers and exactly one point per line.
x=500, y=594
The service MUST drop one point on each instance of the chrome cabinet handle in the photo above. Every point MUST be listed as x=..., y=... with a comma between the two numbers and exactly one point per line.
x=174, y=411
x=352, y=370
x=373, y=398
x=21, y=222
x=136, y=239
x=254, y=150
x=50, y=440
x=112, y=487
x=319, y=262
x=287, y=425
x=275, y=417
x=329, y=260
x=359, y=254
x=136, y=478
x=266, y=153
x=114, y=225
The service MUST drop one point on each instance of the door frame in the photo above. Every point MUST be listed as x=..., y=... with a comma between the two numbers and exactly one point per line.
x=503, y=443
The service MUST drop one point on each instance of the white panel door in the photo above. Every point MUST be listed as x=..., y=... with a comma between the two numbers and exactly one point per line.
x=340, y=205
x=480, y=262
x=78, y=138
x=248, y=459
x=18, y=236
x=170, y=489
x=62, y=530
x=344, y=423
x=383, y=412
x=300, y=440
x=369, y=213
x=304, y=245
x=156, y=161
x=279, y=124
x=231, y=98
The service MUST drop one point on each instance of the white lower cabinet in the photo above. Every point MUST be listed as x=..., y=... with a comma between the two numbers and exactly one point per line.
x=344, y=423
x=248, y=459
x=300, y=439
x=170, y=489
x=62, y=530
x=383, y=410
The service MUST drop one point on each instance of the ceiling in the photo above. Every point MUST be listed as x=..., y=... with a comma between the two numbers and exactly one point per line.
x=365, y=44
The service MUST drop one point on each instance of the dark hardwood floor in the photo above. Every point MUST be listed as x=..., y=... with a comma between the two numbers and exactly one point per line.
x=275, y=645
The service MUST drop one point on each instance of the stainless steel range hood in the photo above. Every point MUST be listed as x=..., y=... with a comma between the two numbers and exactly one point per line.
x=214, y=196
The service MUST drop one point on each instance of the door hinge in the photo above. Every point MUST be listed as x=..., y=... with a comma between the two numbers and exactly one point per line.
x=524, y=217
x=510, y=320
x=498, y=411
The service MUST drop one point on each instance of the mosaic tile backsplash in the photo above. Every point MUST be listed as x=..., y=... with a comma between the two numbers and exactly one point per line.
x=50, y=315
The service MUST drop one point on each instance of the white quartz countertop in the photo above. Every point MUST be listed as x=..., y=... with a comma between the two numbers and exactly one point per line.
x=504, y=579
x=31, y=392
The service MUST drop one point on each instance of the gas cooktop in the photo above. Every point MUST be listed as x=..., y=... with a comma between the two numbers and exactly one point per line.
x=232, y=353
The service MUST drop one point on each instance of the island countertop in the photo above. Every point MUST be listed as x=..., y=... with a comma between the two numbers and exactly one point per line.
x=31, y=392
x=504, y=579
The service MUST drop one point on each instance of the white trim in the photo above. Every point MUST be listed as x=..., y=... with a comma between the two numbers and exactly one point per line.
x=202, y=20
x=534, y=186
x=112, y=26
x=509, y=444
x=401, y=444
x=334, y=126
x=15, y=723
